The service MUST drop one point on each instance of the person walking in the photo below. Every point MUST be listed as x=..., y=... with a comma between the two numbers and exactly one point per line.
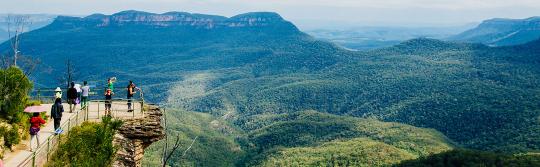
x=72, y=97
x=130, y=93
x=35, y=123
x=56, y=113
x=108, y=101
x=84, y=96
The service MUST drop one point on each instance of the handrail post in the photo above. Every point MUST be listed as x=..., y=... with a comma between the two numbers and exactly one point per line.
x=86, y=109
x=77, y=118
x=48, y=147
x=133, y=108
x=142, y=107
x=69, y=126
x=34, y=159
x=39, y=95
x=98, y=110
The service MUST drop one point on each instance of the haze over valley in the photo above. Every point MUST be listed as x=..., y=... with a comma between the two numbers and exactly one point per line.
x=256, y=89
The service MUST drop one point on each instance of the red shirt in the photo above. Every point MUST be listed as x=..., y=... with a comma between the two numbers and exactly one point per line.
x=37, y=122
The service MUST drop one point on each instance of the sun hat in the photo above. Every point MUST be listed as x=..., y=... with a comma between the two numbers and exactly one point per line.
x=58, y=89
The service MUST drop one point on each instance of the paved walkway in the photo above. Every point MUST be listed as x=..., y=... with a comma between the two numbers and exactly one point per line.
x=95, y=111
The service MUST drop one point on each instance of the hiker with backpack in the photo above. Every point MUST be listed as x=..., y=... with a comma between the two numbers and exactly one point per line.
x=56, y=113
x=130, y=92
x=35, y=124
x=72, y=97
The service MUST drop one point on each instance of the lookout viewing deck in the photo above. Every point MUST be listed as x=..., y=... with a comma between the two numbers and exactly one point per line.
x=23, y=157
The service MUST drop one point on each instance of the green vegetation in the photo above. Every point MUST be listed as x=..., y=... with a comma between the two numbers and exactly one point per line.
x=462, y=157
x=14, y=88
x=215, y=145
x=259, y=81
x=355, y=152
x=306, y=135
x=297, y=135
x=89, y=144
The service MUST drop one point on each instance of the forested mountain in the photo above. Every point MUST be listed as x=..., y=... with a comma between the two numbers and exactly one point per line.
x=502, y=32
x=266, y=93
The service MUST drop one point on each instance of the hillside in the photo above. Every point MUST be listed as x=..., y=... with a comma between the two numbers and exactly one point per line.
x=306, y=137
x=473, y=158
x=502, y=32
x=257, y=74
x=481, y=97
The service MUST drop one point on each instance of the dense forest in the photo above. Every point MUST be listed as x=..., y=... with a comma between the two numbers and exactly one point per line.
x=267, y=93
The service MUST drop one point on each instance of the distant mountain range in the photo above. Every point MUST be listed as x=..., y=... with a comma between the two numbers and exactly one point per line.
x=258, y=91
x=35, y=21
x=502, y=32
x=367, y=38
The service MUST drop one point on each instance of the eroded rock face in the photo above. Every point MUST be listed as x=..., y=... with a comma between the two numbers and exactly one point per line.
x=135, y=135
x=177, y=19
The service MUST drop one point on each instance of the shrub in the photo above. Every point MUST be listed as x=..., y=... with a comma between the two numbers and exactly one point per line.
x=89, y=144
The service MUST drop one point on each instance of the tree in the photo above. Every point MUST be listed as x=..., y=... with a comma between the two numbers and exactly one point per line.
x=69, y=74
x=14, y=88
x=16, y=26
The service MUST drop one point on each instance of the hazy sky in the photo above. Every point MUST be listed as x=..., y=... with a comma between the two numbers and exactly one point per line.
x=307, y=14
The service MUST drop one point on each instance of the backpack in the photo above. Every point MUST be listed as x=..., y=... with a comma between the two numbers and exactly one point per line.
x=56, y=111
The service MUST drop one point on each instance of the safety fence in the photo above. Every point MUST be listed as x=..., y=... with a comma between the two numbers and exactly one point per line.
x=47, y=95
x=94, y=112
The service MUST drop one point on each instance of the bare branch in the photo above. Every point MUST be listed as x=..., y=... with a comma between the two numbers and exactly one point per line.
x=16, y=27
x=185, y=151
x=176, y=145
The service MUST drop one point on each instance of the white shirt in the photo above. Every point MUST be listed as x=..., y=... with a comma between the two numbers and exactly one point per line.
x=85, y=90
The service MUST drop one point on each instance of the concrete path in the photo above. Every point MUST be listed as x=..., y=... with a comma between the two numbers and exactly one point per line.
x=21, y=154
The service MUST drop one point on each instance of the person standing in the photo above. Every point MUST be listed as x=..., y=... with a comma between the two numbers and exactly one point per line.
x=56, y=113
x=130, y=93
x=72, y=97
x=108, y=101
x=84, y=96
x=35, y=123
x=110, y=84
x=79, y=93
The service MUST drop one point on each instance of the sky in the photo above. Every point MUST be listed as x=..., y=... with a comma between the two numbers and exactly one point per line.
x=307, y=14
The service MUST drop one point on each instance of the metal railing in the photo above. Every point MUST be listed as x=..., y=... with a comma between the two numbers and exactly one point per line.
x=46, y=149
x=46, y=95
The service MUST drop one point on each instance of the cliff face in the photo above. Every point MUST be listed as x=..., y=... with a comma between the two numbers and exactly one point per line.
x=169, y=19
x=135, y=135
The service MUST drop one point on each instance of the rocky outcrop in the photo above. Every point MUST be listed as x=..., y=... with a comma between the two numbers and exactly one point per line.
x=135, y=135
x=169, y=19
